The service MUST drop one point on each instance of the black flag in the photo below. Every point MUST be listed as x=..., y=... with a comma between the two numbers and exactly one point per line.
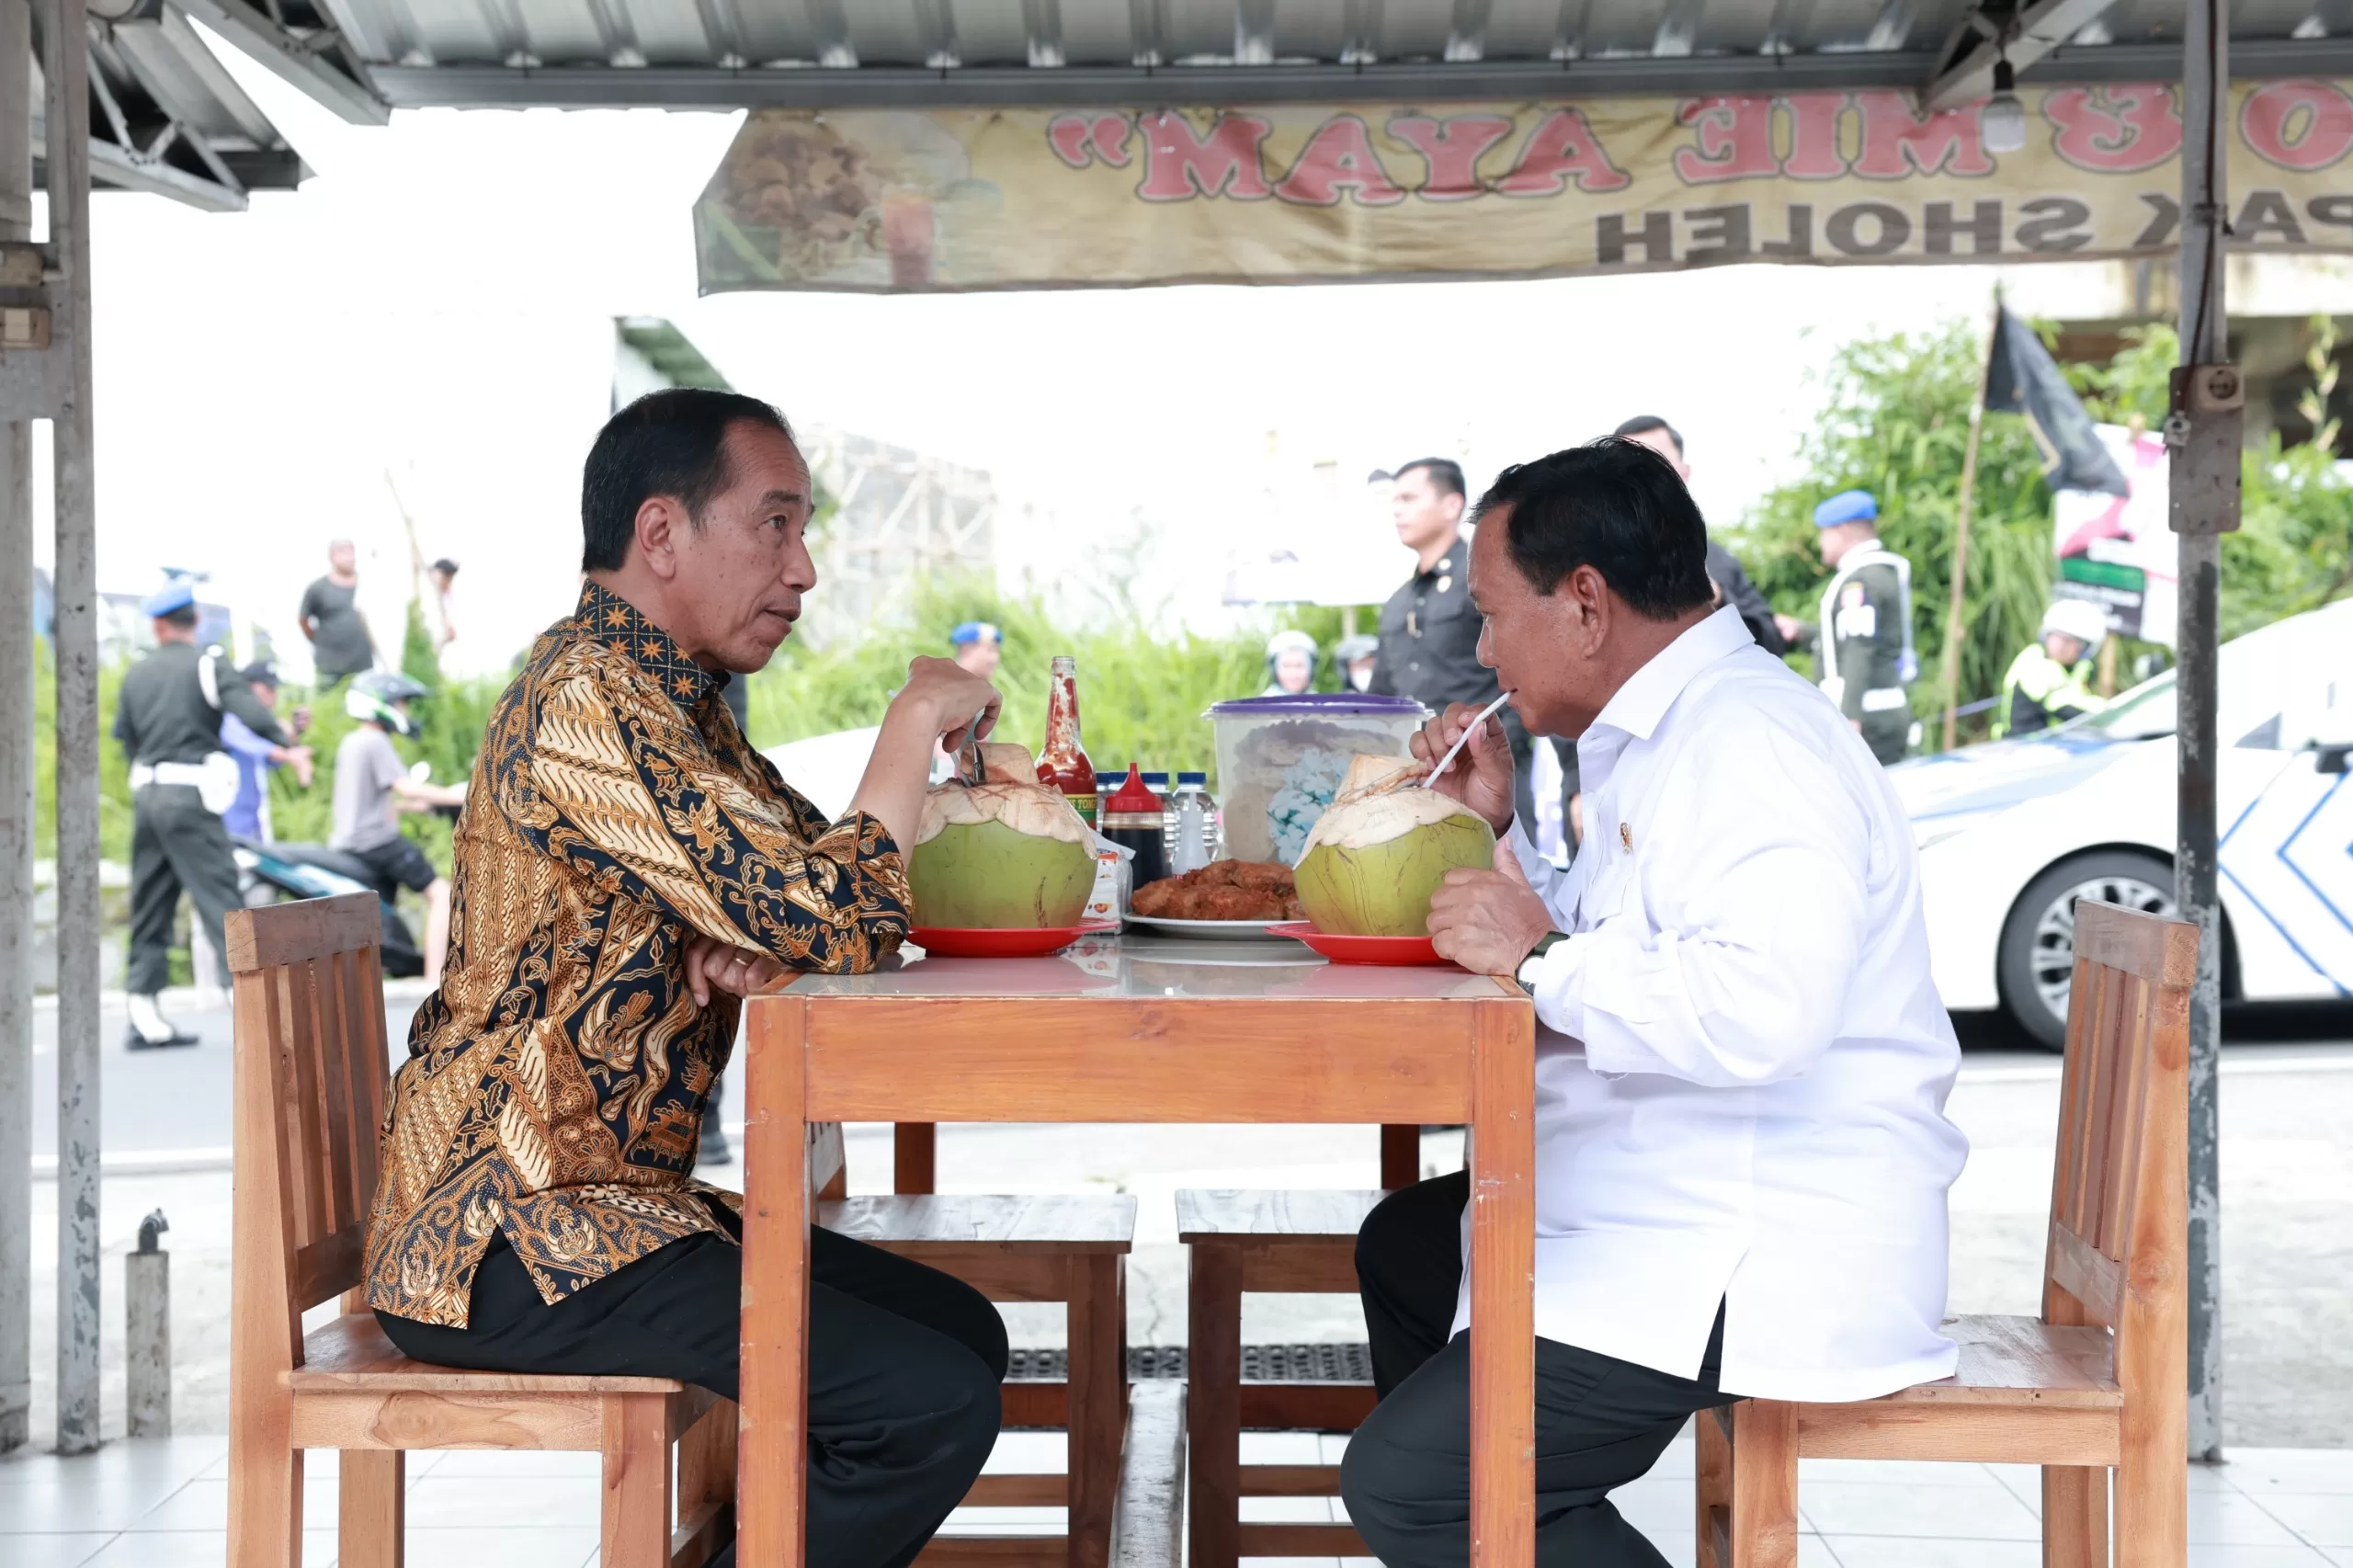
x=2022, y=377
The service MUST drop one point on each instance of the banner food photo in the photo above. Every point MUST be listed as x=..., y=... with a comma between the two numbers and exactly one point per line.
x=902, y=201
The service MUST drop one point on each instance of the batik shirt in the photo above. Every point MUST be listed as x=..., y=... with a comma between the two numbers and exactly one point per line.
x=557, y=1081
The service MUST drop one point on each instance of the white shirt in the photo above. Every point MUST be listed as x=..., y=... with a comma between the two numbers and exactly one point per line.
x=1741, y=1062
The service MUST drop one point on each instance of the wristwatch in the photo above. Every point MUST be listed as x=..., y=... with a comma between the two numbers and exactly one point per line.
x=1543, y=945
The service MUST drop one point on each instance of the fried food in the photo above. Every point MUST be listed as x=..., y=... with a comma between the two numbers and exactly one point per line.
x=1222, y=890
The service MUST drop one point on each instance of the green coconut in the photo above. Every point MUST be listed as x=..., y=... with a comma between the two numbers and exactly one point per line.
x=1380, y=850
x=1008, y=853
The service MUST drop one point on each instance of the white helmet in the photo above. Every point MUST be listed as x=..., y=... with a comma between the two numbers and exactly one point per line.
x=2079, y=619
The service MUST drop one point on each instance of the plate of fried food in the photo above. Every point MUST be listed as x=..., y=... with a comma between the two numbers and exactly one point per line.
x=1228, y=898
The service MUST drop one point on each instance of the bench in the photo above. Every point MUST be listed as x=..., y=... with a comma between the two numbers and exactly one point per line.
x=2098, y=1385
x=1069, y=1248
x=1278, y=1242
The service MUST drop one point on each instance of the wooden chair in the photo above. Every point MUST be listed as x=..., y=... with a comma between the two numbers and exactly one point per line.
x=310, y=1075
x=1277, y=1242
x=2100, y=1382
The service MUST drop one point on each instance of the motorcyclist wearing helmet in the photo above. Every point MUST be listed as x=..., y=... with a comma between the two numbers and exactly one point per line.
x=2045, y=683
x=1355, y=657
x=372, y=788
x=1290, y=663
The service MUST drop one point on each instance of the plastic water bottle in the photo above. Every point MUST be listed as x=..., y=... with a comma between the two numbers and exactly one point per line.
x=1193, y=823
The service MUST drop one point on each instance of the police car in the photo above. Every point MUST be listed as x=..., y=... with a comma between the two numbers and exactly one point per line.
x=2013, y=832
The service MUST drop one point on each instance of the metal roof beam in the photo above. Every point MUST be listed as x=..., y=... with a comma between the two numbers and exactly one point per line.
x=588, y=86
x=2024, y=38
x=321, y=65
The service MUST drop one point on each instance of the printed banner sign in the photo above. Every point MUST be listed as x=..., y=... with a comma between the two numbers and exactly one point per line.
x=889, y=200
x=2120, y=552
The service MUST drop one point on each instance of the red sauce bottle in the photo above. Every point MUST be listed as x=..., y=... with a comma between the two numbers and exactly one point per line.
x=1062, y=761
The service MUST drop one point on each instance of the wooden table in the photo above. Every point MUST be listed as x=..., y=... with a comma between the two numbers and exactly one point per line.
x=1141, y=1029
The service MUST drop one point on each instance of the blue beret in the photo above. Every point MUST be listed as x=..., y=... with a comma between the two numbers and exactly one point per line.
x=1847, y=507
x=172, y=596
x=975, y=631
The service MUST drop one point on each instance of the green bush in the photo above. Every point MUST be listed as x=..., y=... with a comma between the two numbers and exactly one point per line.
x=1141, y=696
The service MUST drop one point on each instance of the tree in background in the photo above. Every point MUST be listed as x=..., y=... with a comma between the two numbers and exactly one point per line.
x=1896, y=423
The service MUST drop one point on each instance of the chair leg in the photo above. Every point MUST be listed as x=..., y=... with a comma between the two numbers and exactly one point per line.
x=2075, y=1517
x=2152, y=1487
x=1713, y=1491
x=707, y=1481
x=637, y=1480
x=1098, y=1379
x=372, y=1508
x=265, y=1490
x=1213, y=1403
x=1761, y=1525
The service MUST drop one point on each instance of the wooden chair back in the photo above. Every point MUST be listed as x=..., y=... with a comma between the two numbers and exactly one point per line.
x=2119, y=1243
x=312, y=1072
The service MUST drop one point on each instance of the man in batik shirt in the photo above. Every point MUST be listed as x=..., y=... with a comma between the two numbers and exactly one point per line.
x=626, y=866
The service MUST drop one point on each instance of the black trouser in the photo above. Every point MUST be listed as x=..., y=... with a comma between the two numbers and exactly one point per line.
x=1600, y=1422
x=1888, y=734
x=903, y=1368
x=176, y=844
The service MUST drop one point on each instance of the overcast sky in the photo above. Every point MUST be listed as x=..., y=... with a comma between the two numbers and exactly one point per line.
x=436, y=306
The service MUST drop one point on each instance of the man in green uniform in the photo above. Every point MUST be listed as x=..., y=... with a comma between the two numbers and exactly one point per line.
x=168, y=717
x=1866, y=623
x=2045, y=683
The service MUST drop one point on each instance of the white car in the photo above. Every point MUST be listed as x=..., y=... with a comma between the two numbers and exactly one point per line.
x=2012, y=833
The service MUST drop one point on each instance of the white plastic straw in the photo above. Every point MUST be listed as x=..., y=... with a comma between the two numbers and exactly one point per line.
x=1447, y=761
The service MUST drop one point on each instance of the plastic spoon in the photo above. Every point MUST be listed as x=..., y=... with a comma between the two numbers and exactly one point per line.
x=1453, y=751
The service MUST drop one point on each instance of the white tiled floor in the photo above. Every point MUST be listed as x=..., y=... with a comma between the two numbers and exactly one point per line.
x=160, y=1504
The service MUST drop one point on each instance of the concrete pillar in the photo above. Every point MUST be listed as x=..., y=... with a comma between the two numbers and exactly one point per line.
x=17, y=662
x=65, y=62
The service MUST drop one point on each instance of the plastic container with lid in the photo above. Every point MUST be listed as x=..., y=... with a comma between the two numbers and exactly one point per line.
x=1280, y=759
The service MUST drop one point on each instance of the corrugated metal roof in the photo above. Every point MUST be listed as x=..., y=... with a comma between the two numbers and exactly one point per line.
x=167, y=117
x=836, y=52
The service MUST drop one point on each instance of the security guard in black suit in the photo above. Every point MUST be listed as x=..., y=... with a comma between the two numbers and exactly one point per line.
x=168, y=717
x=1429, y=631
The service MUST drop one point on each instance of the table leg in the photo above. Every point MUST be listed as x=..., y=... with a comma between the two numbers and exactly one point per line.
x=915, y=1149
x=1400, y=1156
x=1502, y=1278
x=773, y=1433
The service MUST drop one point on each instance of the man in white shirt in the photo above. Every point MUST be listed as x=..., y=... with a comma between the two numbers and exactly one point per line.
x=1741, y=1064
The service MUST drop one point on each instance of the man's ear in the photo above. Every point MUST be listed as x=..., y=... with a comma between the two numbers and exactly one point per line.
x=660, y=519
x=1589, y=592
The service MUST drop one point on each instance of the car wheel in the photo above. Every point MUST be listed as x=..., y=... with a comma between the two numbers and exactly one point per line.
x=2036, y=961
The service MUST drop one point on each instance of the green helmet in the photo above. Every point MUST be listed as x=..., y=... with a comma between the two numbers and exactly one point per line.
x=370, y=698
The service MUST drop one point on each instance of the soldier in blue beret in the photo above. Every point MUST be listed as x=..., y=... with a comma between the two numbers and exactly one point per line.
x=1866, y=648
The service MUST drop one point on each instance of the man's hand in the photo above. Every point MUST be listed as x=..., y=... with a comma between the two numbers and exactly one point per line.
x=299, y=759
x=947, y=695
x=712, y=965
x=1488, y=921
x=1480, y=775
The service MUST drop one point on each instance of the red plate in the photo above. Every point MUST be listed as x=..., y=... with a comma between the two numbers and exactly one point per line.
x=1394, y=950
x=998, y=942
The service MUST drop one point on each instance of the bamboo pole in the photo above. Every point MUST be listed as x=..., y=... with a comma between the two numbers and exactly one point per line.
x=1954, y=614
